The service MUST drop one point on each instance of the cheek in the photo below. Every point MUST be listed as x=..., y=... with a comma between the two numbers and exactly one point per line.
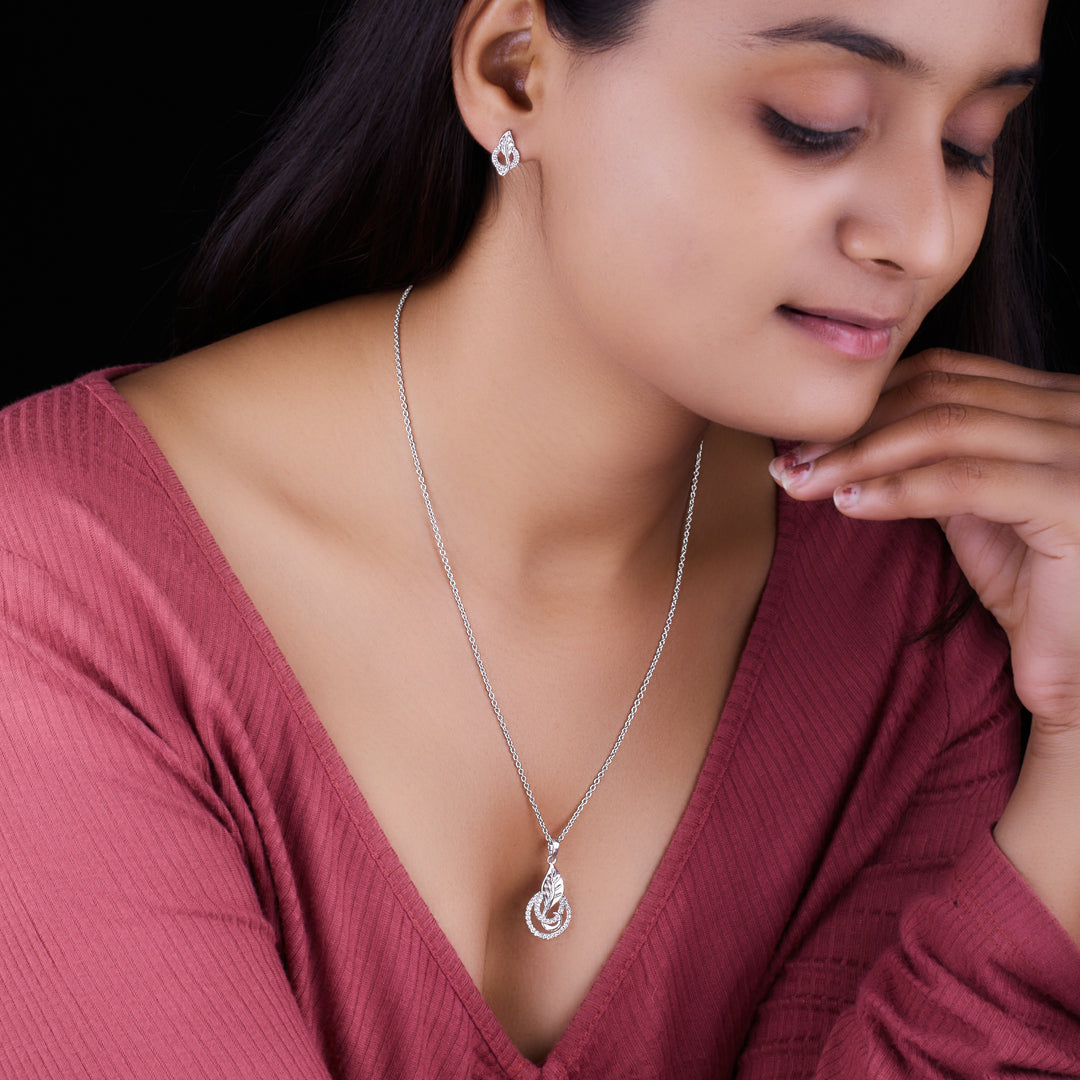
x=673, y=238
x=969, y=217
x=673, y=234
x=659, y=227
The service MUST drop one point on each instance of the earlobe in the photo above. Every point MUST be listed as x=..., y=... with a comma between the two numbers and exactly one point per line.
x=496, y=69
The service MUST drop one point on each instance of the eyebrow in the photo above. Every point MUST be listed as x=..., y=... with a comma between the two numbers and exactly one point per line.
x=827, y=31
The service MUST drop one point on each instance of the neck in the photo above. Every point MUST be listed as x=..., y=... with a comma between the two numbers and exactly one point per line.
x=541, y=450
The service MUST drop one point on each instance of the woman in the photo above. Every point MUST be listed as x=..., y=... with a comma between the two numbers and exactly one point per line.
x=259, y=817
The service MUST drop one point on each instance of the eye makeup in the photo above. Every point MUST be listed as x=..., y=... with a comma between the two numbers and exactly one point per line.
x=961, y=160
x=825, y=145
x=810, y=141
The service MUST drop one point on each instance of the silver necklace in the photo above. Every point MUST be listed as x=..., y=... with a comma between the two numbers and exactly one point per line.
x=548, y=913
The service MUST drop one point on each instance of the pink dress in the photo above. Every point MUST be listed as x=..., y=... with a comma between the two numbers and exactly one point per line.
x=191, y=884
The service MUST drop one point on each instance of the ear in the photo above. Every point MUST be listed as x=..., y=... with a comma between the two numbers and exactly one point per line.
x=501, y=49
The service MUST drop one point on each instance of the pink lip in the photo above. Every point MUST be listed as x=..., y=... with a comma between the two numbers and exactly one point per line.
x=853, y=333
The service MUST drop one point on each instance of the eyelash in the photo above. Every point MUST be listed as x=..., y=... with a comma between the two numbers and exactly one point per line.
x=825, y=144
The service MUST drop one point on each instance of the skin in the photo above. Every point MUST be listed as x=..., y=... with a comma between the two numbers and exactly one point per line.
x=626, y=293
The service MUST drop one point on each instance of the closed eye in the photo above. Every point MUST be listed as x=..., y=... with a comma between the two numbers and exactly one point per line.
x=805, y=140
x=815, y=142
x=961, y=160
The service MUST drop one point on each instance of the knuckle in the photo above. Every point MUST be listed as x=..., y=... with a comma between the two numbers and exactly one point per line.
x=934, y=385
x=893, y=490
x=944, y=418
x=938, y=358
x=966, y=473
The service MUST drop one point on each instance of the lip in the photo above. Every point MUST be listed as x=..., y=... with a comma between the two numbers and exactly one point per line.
x=854, y=333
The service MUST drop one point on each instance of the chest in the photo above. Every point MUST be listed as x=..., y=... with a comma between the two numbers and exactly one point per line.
x=373, y=636
x=378, y=647
x=389, y=671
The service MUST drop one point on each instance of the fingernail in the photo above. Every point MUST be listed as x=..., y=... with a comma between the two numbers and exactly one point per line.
x=846, y=497
x=779, y=464
x=795, y=475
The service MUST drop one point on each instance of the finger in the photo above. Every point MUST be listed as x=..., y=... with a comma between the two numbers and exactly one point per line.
x=1042, y=504
x=963, y=363
x=940, y=432
x=936, y=387
x=931, y=388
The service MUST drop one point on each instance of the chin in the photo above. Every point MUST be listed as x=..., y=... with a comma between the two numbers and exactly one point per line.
x=796, y=406
x=836, y=414
x=831, y=422
x=818, y=432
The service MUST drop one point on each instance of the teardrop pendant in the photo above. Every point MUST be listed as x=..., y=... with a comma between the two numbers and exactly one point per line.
x=547, y=914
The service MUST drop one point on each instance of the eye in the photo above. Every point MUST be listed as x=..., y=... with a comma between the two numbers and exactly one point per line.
x=805, y=140
x=964, y=161
x=814, y=141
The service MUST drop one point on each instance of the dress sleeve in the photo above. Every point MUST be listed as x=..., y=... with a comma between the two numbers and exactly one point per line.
x=928, y=955
x=983, y=983
x=132, y=942
x=981, y=980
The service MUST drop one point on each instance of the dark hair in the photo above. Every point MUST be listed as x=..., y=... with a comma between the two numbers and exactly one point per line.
x=371, y=181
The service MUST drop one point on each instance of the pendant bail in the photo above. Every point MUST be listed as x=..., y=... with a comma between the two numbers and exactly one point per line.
x=553, y=851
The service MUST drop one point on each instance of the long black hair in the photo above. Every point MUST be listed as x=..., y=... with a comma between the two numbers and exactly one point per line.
x=371, y=181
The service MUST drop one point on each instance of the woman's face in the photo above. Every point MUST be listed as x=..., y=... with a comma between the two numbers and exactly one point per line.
x=753, y=205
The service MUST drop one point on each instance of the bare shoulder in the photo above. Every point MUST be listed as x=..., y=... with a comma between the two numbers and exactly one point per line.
x=300, y=362
x=284, y=410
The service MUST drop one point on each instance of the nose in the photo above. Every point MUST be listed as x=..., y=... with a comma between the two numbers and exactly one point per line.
x=900, y=219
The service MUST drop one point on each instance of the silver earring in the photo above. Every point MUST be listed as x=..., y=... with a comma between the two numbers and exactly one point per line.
x=509, y=152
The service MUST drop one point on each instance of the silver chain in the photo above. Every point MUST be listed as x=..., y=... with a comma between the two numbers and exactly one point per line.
x=556, y=841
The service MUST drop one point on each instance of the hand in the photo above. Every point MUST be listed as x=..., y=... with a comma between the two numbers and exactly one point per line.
x=992, y=451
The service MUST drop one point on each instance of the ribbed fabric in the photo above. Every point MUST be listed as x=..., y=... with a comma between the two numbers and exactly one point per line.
x=191, y=884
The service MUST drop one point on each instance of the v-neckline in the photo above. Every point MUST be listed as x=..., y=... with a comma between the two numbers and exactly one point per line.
x=574, y=1039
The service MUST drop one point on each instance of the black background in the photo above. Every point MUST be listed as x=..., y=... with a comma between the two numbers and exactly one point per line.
x=131, y=123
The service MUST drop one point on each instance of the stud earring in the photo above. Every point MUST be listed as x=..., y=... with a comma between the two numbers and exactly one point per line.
x=510, y=156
